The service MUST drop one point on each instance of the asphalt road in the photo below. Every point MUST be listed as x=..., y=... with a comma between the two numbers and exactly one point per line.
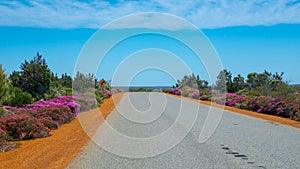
x=238, y=142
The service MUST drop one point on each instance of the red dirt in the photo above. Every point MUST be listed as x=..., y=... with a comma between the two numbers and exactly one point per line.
x=277, y=119
x=65, y=143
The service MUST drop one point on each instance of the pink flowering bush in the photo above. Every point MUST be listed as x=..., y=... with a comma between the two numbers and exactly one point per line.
x=48, y=122
x=106, y=93
x=196, y=94
x=87, y=102
x=24, y=127
x=269, y=105
x=234, y=100
x=260, y=104
x=265, y=105
x=64, y=102
x=59, y=114
x=186, y=93
x=192, y=93
x=35, y=120
x=175, y=91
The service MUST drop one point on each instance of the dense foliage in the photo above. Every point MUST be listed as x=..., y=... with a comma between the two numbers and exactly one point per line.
x=191, y=82
x=261, y=92
x=35, y=120
x=4, y=87
x=34, y=77
x=34, y=100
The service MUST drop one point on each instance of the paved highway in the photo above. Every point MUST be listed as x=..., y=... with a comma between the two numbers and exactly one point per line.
x=238, y=142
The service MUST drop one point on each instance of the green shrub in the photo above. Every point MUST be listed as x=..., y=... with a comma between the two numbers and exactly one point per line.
x=19, y=98
x=2, y=111
x=101, y=95
x=205, y=98
x=66, y=91
x=99, y=99
x=58, y=91
x=296, y=116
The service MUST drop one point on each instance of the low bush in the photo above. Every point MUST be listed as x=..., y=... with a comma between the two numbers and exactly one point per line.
x=260, y=104
x=19, y=98
x=3, y=135
x=48, y=122
x=196, y=94
x=24, y=127
x=106, y=93
x=101, y=95
x=265, y=105
x=235, y=100
x=59, y=114
x=175, y=91
x=92, y=98
x=205, y=98
x=35, y=120
x=87, y=102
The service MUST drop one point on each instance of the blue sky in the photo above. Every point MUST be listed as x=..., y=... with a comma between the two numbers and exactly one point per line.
x=249, y=36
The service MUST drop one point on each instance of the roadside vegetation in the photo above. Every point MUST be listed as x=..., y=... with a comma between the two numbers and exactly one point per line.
x=35, y=101
x=141, y=89
x=264, y=92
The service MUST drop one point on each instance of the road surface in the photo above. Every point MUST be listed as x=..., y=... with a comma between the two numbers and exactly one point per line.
x=238, y=142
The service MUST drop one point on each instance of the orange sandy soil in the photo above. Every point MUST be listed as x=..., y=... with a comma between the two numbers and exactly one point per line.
x=58, y=150
x=272, y=118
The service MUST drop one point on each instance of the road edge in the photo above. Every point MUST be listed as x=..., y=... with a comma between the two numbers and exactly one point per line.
x=271, y=118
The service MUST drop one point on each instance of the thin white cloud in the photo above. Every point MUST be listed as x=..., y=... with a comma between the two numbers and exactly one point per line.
x=95, y=14
x=151, y=21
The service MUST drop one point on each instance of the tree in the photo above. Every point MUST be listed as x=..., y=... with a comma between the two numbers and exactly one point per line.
x=224, y=81
x=34, y=77
x=221, y=82
x=83, y=82
x=188, y=82
x=266, y=80
x=66, y=80
x=4, y=86
x=15, y=78
x=201, y=83
x=278, y=76
x=255, y=80
x=238, y=83
x=276, y=81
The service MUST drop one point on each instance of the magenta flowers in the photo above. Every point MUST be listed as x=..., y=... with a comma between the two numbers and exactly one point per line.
x=260, y=104
x=106, y=93
x=35, y=120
